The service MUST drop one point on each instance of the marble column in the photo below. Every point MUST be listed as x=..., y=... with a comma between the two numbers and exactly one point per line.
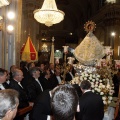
x=10, y=42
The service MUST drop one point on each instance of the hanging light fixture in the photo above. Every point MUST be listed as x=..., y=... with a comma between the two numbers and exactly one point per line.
x=49, y=14
x=4, y=3
x=111, y=1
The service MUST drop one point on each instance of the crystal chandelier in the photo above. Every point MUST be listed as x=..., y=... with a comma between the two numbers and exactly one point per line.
x=4, y=3
x=111, y=1
x=49, y=14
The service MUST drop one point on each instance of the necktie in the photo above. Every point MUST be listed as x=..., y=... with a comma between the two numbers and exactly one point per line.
x=20, y=84
x=39, y=84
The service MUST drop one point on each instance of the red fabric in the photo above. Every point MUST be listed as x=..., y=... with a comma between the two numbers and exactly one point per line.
x=31, y=46
x=33, y=56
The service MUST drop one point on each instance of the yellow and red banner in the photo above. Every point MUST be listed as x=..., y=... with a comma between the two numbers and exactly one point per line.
x=29, y=52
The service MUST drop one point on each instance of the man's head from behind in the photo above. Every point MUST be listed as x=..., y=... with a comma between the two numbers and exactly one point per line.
x=8, y=104
x=85, y=85
x=64, y=102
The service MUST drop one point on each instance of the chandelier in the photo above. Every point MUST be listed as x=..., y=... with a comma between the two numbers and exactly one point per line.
x=4, y=3
x=111, y=1
x=49, y=14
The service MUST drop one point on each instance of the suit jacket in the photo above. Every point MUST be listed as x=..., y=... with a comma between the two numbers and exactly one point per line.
x=5, y=85
x=42, y=107
x=23, y=98
x=27, y=79
x=68, y=77
x=34, y=89
x=91, y=107
x=116, y=82
x=51, y=72
x=54, y=81
x=45, y=83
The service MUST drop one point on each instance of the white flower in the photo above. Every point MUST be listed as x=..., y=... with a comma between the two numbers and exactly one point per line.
x=93, y=91
x=91, y=75
x=104, y=102
x=109, y=101
x=100, y=84
x=94, y=76
x=90, y=78
x=98, y=90
x=85, y=78
x=90, y=71
x=92, y=83
x=93, y=80
x=97, y=82
x=96, y=85
x=103, y=79
x=100, y=80
x=103, y=86
x=104, y=98
x=92, y=86
x=97, y=79
x=81, y=78
x=110, y=98
x=86, y=75
x=98, y=76
x=101, y=93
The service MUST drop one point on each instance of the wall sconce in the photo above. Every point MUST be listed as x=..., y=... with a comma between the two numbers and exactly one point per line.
x=10, y=28
x=10, y=15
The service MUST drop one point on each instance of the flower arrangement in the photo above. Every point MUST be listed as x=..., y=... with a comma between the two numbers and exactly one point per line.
x=99, y=85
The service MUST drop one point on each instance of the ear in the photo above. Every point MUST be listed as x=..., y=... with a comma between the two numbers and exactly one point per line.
x=78, y=108
x=83, y=90
x=8, y=114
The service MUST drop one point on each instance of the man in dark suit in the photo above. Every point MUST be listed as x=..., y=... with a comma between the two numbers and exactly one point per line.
x=42, y=107
x=70, y=74
x=15, y=84
x=91, y=104
x=3, y=78
x=45, y=81
x=35, y=87
x=51, y=67
x=64, y=102
x=116, y=82
x=41, y=67
x=56, y=78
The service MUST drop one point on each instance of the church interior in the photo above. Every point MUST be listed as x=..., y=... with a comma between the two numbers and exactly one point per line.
x=67, y=41
x=70, y=31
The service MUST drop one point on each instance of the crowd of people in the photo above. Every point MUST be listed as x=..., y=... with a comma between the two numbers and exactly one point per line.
x=40, y=86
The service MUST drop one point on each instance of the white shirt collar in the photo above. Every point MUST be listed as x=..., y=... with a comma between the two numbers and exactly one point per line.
x=2, y=87
x=87, y=91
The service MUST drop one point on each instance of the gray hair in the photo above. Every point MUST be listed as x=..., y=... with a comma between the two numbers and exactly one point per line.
x=33, y=70
x=15, y=72
x=8, y=101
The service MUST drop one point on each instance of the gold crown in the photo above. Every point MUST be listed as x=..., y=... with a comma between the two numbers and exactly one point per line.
x=89, y=26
